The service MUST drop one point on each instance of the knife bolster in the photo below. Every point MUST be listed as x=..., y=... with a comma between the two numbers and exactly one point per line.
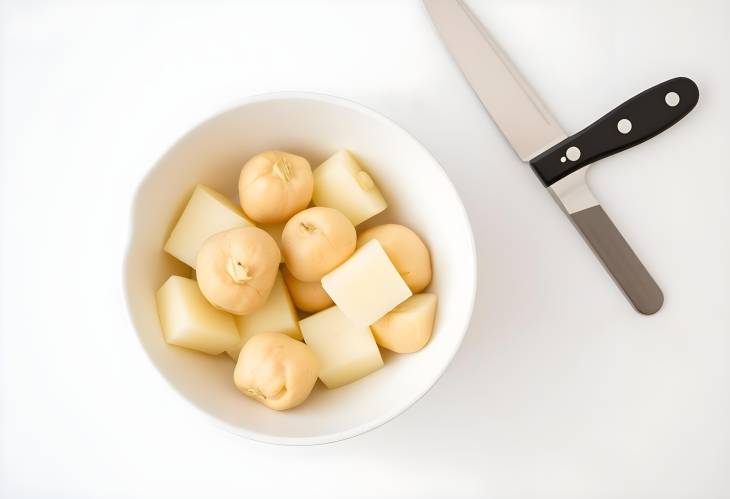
x=573, y=192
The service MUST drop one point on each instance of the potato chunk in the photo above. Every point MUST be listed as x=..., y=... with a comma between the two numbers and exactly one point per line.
x=341, y=183
x=406, y=250
x=367, y=285
x=188, y=320
x=278, y=315
x=208, y=212
x=346, y=352
x=407, y=328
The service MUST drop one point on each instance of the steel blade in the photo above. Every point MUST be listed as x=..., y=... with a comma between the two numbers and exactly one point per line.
x=513, y=105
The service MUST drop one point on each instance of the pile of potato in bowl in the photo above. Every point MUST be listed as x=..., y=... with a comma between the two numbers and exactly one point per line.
x=287, y=286
x=211, y=154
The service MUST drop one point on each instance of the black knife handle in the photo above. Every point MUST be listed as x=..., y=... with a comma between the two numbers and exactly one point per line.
x=636, y=120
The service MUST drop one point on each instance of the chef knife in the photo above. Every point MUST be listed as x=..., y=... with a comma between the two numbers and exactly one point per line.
x=561, y=161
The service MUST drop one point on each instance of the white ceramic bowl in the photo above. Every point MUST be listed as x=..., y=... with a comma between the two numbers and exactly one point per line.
x=420, y=196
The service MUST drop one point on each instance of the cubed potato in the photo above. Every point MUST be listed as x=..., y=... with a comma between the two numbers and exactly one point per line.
x=275, y=231
x=346, y=352
x=208, y=212
x=188, y=320
x=367, y=285
x=278, y=315
x=405, y=249
x=341, y=183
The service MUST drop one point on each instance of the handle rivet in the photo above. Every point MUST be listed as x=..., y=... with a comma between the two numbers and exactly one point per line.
x=672, y=99
x=624, y=126
x=573, y=153
x=562, y=159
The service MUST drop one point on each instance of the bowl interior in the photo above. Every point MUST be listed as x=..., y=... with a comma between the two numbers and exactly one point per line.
x=419, y=196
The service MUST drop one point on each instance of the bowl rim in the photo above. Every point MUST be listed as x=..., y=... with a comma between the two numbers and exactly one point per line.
x=470, y=286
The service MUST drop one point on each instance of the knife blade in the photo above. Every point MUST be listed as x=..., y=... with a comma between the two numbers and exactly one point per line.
x=513, y=105
x=560, y=161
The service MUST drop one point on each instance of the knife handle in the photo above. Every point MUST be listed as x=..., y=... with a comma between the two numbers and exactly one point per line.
x=619, y=259
x=636, y=120
x=586, y=213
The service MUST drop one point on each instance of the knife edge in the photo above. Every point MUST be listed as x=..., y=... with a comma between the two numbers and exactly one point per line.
x=513, y=105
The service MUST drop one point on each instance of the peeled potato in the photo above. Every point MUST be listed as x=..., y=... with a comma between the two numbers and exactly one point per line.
x=278, y=315
x=406, y=250
x=316, y=241
x=274, y=185
x=276, y=370
x=188, y=320
x=367, y=286
x=341, y=183
x=407, y=328
x=236, y=269
x=307, y=296
x=346, y=352
x=207, y=212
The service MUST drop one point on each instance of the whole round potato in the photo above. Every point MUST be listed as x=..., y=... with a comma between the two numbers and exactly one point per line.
x=307, y=296
x=315, y=241
x=276, y=370
x=274, y=185
x=236, y=269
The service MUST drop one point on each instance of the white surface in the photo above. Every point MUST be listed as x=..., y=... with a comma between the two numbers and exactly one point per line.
x=559, y=390
x=311, y=126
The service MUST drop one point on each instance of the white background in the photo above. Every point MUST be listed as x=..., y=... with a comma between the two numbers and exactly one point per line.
x=559, y=390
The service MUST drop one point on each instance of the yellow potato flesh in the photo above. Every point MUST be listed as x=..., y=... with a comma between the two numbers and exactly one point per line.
x=406, y=250
x=346, y=352
x=188, y=320
x=278, y=315
x=208, y=212
x=341, y=183
x=407, y=328
x=367, y=286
